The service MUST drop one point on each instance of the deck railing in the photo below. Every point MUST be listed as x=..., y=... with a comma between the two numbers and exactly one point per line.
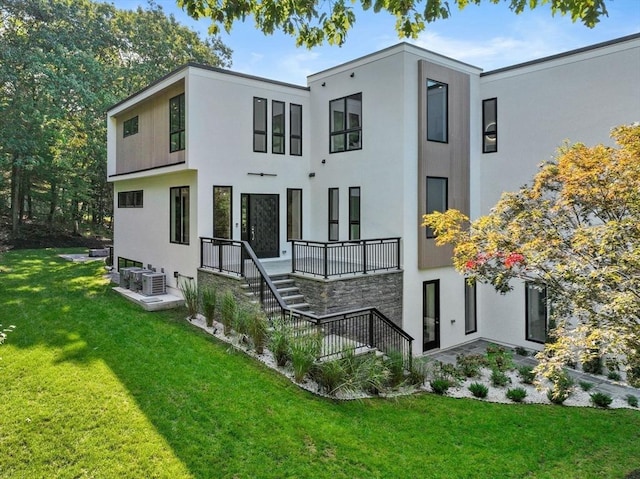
x=364, y=328
x=339, y=258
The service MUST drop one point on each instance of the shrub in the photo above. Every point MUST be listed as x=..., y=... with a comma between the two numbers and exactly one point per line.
x=440, y=386
x=516, y=394
x=449, y=372
x=614, y=376
x=242, y=318
x=258, y=330
x=520, y=351
x=416, y=376
x=304, y=349
x=470, y=365
x=561, y=389
x=209, y=303
x=633, y=369
x=527, y=376
x=586, y=385
x=601, y=400
x=372, y=374
x=330, y=375
x=279, y=342
x=499, y=378
x=499, y=358
x=632, y=400
x=189, y=291
x=479, y=390
x=592, y=365
x=394, y=362
x=228, y=311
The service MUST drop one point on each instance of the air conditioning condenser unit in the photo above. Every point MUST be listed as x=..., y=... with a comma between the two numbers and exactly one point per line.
x=154, y=284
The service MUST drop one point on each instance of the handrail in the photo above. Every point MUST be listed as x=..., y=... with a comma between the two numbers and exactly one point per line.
x=271, y=301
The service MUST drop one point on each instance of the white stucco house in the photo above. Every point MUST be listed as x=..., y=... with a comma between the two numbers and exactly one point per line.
x=347, y=165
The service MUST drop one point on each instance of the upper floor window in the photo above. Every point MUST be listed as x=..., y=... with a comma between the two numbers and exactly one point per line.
x=345, y=118
x=334, y=214
x=490, y=125
x=437, y=115
x=354, y=213
x=222, y=211
x=176, y=123
x=260, y=125
x=179, y=215
x=436, y=198
x=295, y=129
x=130, y=199
x=130, y=126
x=277, y=127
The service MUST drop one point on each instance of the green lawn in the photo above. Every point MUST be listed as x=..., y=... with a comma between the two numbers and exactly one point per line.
x=90, y=386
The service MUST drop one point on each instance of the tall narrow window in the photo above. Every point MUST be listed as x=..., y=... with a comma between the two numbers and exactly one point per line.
x=536, y=312
x=333, y=214
x=436, y=198
x=437, y=115
x=277, y=127
x=179, y=227
x=130, y=126
x=222, y=208
x=294, y=214
x=260, y=125
x=354, y=213
x=176, y=123
x=490, y=125
x=345, y=118
x=470, y=311
x=295, y=129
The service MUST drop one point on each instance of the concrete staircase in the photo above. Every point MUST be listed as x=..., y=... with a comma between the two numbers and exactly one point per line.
x=289, y=292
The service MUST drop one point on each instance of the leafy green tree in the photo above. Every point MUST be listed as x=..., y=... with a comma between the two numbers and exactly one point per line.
x=62, y=64
x=314, y=22
x=576, y=230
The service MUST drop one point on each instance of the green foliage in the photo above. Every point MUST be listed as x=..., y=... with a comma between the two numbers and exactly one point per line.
x=593, y=365
x=446, y=371
x=470, y=365
x=209, y=304
x=527, y=374
x=602, y=400
x=614, y=376
x=561, y=389
x=242, y=319
x=479, y=390
x=632, y=400
x=313, y=23
x=499, y=358
x=520, y=351
x=279, y=341
x=440, y=385
x=330, y=375
x=228, y=311
x=394, y=362
x=499, y=378
x=516, y=394
x=585, y=385
x=304, y=348
x=189, y=291
x=258, y=330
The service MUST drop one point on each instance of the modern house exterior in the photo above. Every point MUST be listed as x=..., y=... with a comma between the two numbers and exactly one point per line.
x=354, y=159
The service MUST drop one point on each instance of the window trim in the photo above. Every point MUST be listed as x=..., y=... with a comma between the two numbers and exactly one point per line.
x=290, y=213
x=353, y=220
x=469, y=289
x=263, y=121
x=528, y=285
x=183, y=238
x=446, y=112
x=230, y=216
x=275, y=135
x=130, y=126
x=294, y=135
x=179, y=129
x=331, y=219
x=486, y=133
x=128, y=199
x=431, y=235
x=344, y=132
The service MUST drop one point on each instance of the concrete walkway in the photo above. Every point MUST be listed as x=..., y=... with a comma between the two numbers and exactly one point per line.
x=601, y=383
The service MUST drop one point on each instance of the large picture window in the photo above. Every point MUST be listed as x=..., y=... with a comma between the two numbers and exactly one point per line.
x=130, y=127
x=436, y=198
x=437, y=114
x=470, y=310
x=354, y=213
x=490, y=125
x=277, y=127
x=222, y=208
x=176, y=123
x=345, y=118
x=294, y=214
x=334, y=214
x=130, y=199
x=536, y=312
x=179, y=204
x=260, y=125
x=295, y=129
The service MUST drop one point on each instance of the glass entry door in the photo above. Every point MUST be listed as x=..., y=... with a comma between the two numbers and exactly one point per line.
x=260, y=223
x=431, y=315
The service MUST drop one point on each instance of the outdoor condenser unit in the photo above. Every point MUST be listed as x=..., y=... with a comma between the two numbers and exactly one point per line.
x=136, y=279
x=126, y=276
x=154, y=284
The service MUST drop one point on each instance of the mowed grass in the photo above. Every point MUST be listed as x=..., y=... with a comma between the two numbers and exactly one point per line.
x=91, y=386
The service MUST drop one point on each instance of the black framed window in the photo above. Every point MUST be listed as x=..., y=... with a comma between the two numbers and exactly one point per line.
x=536, y=312
x=294, y=214
x=470, y=309
x=128, y=263
x=437, y=192
x=260, y=125
x=277, y=127
x=177, y=123
x=130, y=199
x=295, y=129
x=490, y=125
x=334, y=214
x=354, y=213
x=179, y=215
x=130, y=127
x=345, y=118
x=437, y=111
x=222, y=211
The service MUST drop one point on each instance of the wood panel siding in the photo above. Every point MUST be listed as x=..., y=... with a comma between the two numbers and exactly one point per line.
x=446, y=160
x=149, y=148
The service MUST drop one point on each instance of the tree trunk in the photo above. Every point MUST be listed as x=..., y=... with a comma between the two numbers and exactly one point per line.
x=16, y=174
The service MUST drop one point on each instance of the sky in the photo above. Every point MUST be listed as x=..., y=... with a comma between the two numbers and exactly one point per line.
x=487, y=36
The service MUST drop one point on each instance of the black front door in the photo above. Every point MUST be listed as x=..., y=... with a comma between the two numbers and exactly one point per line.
x=431, y=315
x=260, y=223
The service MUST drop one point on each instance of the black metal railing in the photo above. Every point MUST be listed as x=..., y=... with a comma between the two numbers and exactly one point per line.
x=360, y=329
x=339, y=258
